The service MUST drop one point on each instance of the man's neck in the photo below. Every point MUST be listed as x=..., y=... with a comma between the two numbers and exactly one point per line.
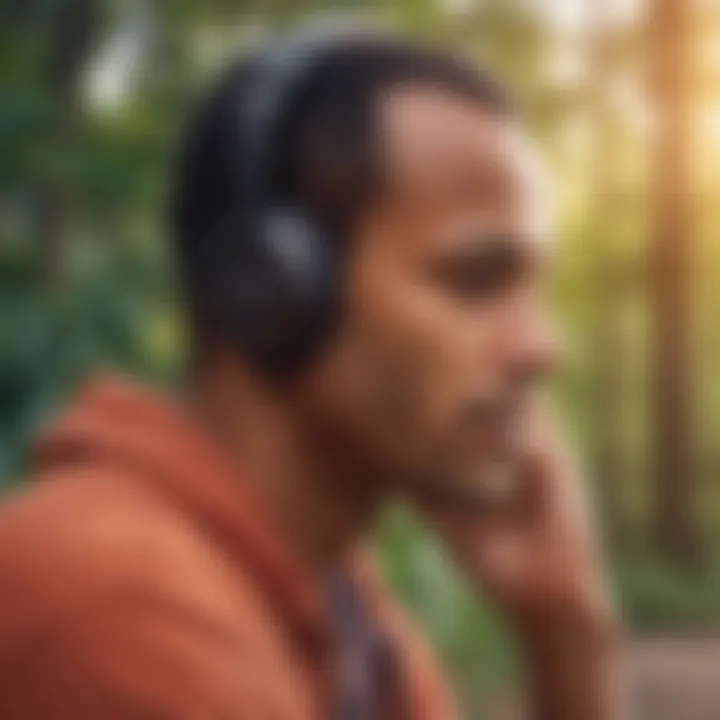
x=316, y=497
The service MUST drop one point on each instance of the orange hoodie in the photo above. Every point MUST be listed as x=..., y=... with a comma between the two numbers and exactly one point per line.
x=143, y=580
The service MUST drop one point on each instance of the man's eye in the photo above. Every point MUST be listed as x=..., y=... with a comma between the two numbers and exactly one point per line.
x=476, y=281
x=482, y=277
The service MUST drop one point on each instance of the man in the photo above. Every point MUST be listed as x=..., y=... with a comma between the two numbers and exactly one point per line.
x=359, y=234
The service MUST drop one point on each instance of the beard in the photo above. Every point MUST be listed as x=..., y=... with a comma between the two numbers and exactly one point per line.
x=481, y=467
x=494, y=489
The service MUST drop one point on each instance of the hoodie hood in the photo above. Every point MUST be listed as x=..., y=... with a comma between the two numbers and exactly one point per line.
x=154, y=440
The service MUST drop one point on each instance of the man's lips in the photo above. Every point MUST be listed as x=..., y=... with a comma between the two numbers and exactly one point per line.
x=495, y=428
x=489, y=415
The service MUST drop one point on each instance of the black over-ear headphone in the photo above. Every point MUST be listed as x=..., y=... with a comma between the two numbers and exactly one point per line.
x=279, y=275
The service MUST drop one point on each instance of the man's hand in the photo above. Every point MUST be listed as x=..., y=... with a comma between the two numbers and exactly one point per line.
x=538, y=558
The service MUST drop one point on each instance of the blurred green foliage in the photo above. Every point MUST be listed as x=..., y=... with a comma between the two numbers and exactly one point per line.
x=658, y=597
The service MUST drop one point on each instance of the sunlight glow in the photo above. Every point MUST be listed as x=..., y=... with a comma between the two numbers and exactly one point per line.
x=576, y=15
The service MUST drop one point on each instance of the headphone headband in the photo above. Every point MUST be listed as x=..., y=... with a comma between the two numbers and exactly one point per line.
x=285, y=68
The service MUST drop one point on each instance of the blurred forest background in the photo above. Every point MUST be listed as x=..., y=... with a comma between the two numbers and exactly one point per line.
x=624, y=99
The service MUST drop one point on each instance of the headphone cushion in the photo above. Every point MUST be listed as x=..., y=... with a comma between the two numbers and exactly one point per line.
x=289, y=290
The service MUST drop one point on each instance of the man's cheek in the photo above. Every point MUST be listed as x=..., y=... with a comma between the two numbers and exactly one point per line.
x=386, y=387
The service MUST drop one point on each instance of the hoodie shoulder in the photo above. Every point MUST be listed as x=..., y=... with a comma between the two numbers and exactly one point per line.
x=111, y=600
x=83, y=536
x=64, y=540
x=113, y=605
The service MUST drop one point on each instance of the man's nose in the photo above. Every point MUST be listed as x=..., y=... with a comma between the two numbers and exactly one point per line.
x=537, y=344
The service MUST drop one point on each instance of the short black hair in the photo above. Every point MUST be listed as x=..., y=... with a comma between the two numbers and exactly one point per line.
x=326, y=155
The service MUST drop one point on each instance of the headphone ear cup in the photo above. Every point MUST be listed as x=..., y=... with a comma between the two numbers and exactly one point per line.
x=298, y=250
x=284, y=296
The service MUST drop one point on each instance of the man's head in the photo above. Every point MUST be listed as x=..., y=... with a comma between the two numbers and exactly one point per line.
x=420, y=176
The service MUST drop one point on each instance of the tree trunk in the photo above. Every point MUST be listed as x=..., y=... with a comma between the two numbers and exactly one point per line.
x=677, y=536
x=608, y=284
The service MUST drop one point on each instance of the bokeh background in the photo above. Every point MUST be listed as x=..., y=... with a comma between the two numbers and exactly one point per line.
x=623, y=97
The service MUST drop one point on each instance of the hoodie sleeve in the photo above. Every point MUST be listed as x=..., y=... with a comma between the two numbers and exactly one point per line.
x=99, y=620
x=130, y=661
